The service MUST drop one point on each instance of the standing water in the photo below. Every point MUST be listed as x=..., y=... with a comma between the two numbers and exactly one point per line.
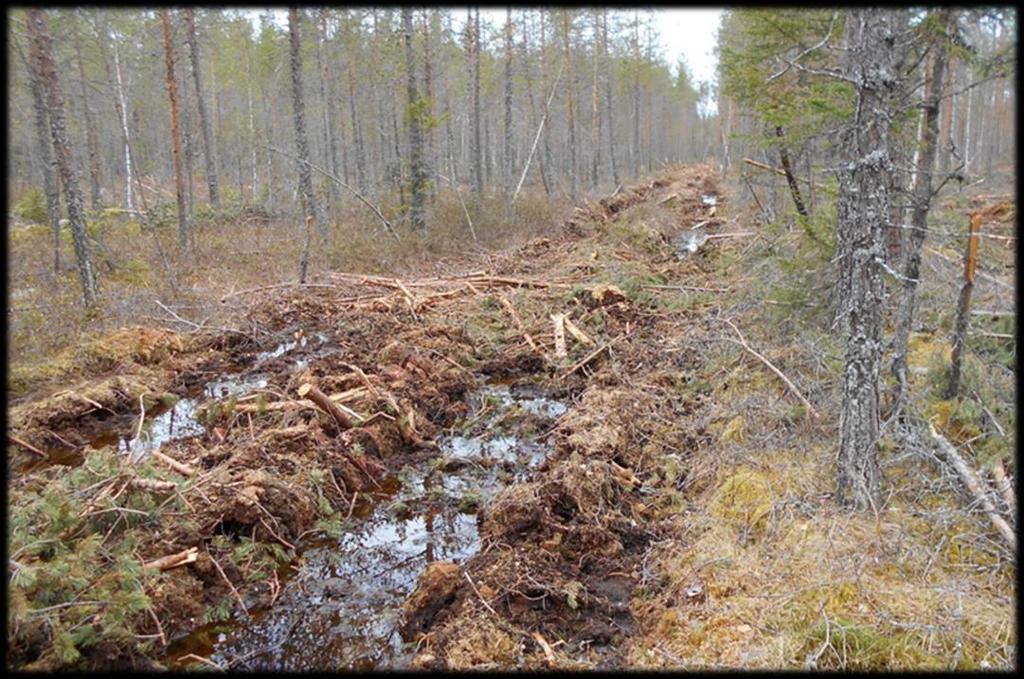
x=341, y=609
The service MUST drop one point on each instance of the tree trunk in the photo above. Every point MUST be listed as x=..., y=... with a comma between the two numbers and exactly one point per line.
x=507, y=149
x=571, y=121
x=946, y=135
x=209, y=155
x=357, y=133
x=330, y=112
x=874, y=57
x=301, y=142
x=963, y=307
x=41, y=53
x=547, y=128
x=92, y=145
x=595, y=125
x=794, y=189
x=45, y=149
x=477, y=152
x=418, y=176
x=172, y=93
x=608, y=97
x=636, y=93
x=921, y=198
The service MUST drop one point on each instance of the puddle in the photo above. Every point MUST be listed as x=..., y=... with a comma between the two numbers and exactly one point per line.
x=167, y=422
x=342, y=607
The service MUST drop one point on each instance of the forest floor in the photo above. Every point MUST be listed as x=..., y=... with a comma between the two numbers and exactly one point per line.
x=571, y=454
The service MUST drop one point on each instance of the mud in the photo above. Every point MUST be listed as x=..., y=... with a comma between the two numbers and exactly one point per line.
x=341, y=607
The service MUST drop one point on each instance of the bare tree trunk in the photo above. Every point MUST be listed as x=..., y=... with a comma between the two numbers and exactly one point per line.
x=921, y=196
x=874, y=59
x=946, y=134
x=547, y=131
x=123, y=110
x=636, y=93
x=507, y=151
x=477, y=152
x=418, y=178
x=571, y=122
x=209, y=156
x=92, y=145
x=44, y=147
x=608, y=97
x=172, y=93
x=330, y=113
x=357, y=133
x=595, y=126
x=787, y=168
x=963, y=307
x=301, y=142
x=41, y=53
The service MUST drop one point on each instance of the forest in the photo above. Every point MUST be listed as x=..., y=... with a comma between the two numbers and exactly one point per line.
x=438, y=338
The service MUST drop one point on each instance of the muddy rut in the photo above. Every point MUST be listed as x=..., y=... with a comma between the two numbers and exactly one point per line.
x=484, y=498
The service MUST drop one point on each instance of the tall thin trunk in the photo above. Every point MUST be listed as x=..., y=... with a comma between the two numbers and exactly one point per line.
x=330, y=110
x=571, y=121
x=44, y=147
x=41, y=53
x=533, y=105
x=416, y=170
x=507, y=150
x=608, y=97
x=477, y=152
x=301, y=141
x=874, y=55
x=172, y=93
x=636, y=92
x=921, y=198
x=209, y=156
x=91, y=143
x=357, y=133
x=787, y=168
x=963, y=307
x=946, y=133
x=595, y=126
x=122, y=107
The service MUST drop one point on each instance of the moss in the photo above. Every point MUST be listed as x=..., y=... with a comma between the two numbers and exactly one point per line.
x=743, y=500
x=856, y=646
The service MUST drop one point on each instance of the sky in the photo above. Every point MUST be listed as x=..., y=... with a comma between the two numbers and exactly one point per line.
x=689, y=33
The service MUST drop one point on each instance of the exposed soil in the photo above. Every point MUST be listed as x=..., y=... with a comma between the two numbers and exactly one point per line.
x=496, y=505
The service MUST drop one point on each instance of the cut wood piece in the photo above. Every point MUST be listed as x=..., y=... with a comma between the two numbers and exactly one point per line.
x=153, y=485
x=549, y=653
x=325, y=404
x=174, y=560
x=1004, y=486
x=519, y=325
x=973, y=484
x=580, y=336
x=180, y=467
x=558, y=320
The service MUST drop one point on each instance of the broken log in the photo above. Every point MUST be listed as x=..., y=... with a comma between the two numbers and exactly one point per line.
x=580, y=336
x=519, y=324
x=973, y=484
x=1004, y=486
x=325, y=404
x=180, y=467
x=174, y=560
x=153, y=485
x=558, y=320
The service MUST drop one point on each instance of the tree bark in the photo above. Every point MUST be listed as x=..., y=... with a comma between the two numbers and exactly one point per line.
x=41, y=53
x=595, y=125
x=787, y=168
x=301, y=141
x=571, y=121
x=418, y=178
x=44, y=147
x=507, y=149
x=921, y=197
x=172, y=93
x=209, y=156
x=91, y=143
x=477, y=152
x=963, y=307
x=330, y=112
x=608, y=98
x=874, y=60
